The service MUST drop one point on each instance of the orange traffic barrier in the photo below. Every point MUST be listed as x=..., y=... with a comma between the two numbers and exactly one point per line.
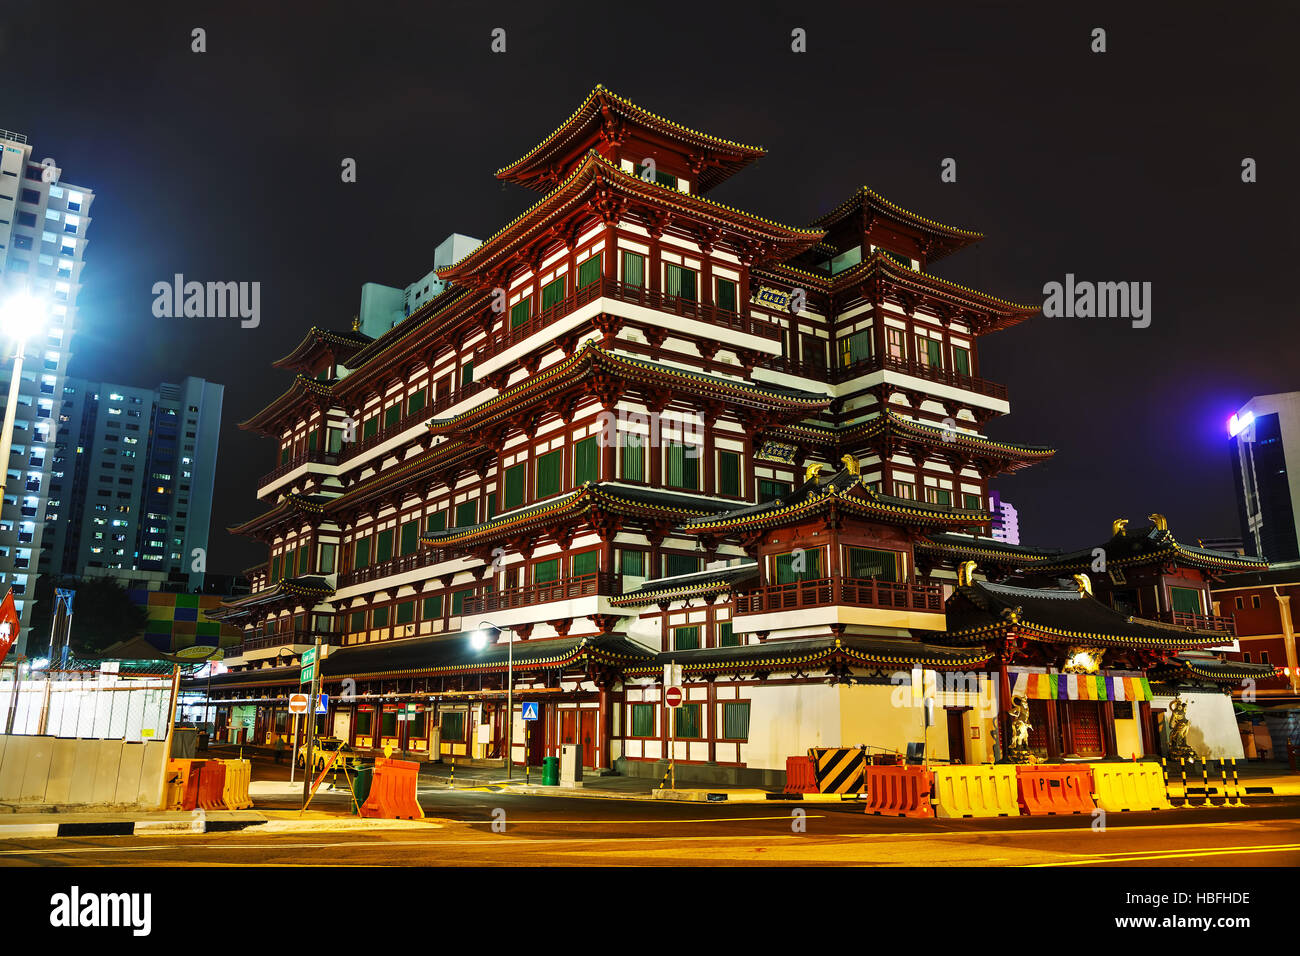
x=183, y=783
x=799, y=775
x=234, y=794
x=212, y=785
x=899, y=791
x=1055, y=788
x=392, y=791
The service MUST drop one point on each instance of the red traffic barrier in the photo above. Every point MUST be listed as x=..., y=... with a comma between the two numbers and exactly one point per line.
x=392, y=791
x=1055, y=788
x=183, y=783
x=800, y=776
x=899, y=791
x=212, y=785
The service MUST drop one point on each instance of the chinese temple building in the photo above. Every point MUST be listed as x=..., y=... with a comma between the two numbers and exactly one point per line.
x=641, y=428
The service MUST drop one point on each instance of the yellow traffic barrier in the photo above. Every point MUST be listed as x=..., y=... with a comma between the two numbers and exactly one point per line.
x=985, y=790
x=235, y=793
x=1129, y=786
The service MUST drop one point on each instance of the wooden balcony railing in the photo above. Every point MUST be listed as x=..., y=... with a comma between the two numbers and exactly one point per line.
x=828, y=592
x=818, y=372
x=406, y=562
x=528, y=595
x=1202, y=622
x=422, y=417
x=505, y=337
x=288, y=639
x=309, y=457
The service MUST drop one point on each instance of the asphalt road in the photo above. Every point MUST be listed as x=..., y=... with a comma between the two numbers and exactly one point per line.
x=574, y=831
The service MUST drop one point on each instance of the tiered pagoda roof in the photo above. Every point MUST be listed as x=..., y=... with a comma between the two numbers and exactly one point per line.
x=597, y=185
x=812, y=655
x=606, y=123
x=339, y=347
x=610, y=498
x=680, y=587
x=890, y=432
x=981, y=610
x=844, y=491
x=887, y=223
x=1151, y=545
x=287, y=407
x=601, y=367
x=449, y=654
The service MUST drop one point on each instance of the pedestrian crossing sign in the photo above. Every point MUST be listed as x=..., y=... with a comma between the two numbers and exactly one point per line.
x=530, y=710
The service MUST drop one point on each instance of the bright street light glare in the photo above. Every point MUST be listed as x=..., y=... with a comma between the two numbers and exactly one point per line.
x=479, y=639
x=22, y=315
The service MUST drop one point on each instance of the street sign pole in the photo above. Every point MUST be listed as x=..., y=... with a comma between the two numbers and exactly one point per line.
x=672, y=734
x=293, y=761
x=311, y=726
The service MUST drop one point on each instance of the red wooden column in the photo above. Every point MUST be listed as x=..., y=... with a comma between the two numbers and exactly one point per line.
x=1053, y=732
x=1108, y=729
x=713, y=723
x=653, y=282
x=1004, y=704
x=1149, y=747
x=609, y=265
x=708, y=474
x=603, y=722
x=608, y=453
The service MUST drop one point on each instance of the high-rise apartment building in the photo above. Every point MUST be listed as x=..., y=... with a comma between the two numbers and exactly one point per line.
x=43, y=225
x=384, y=306
x=1264, y=438
x=1005, y=523
x=134, y=471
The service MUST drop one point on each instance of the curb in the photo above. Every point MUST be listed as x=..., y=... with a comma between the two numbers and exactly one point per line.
x=121, y=828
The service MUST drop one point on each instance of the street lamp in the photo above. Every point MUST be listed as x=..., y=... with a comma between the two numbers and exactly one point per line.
x=21, y=316
x=479, y=640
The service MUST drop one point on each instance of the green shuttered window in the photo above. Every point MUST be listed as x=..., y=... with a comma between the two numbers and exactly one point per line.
x=728, y=473
x=548, y=474
x=688, y=722
x=586, y=461
x=553, y=292
x=589, y=271
x=520, y=311
x=735, y=720
x=643, y=720
x=634, y=269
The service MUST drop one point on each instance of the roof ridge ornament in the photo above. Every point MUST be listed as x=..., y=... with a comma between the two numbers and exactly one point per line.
x=965, y=574
x=1160, y=521
x=1084, y=583
x=851, y=464
x=1117, y=527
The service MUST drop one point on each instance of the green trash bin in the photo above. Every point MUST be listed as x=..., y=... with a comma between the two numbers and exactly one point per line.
x=361, y=785
x=550, y=771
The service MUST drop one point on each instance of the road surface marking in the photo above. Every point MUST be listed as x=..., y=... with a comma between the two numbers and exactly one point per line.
x=1139, y=856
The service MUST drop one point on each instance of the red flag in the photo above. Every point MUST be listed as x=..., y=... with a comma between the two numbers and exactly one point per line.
x=8, y=624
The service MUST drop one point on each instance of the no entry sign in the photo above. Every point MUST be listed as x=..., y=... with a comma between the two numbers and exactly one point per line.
x=298, y=703
x=673, y=697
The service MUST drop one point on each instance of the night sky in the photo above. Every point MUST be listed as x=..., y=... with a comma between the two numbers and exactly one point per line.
x=1122, y=166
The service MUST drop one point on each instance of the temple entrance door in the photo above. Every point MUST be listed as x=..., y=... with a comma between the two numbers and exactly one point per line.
x=1039, y=729
x=956, y=735
x=535, y=738
x=1158, y=738
x=1085, y=728
x=587, y=734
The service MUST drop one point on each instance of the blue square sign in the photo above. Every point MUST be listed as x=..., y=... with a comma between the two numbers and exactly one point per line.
x=322, y=704
x=530, y=710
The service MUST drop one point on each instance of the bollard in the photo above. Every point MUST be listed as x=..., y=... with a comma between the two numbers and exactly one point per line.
x=1236, y=787
x=451, y=783
x=1205, y=782
x=1223, y=780
x=1182, y=769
